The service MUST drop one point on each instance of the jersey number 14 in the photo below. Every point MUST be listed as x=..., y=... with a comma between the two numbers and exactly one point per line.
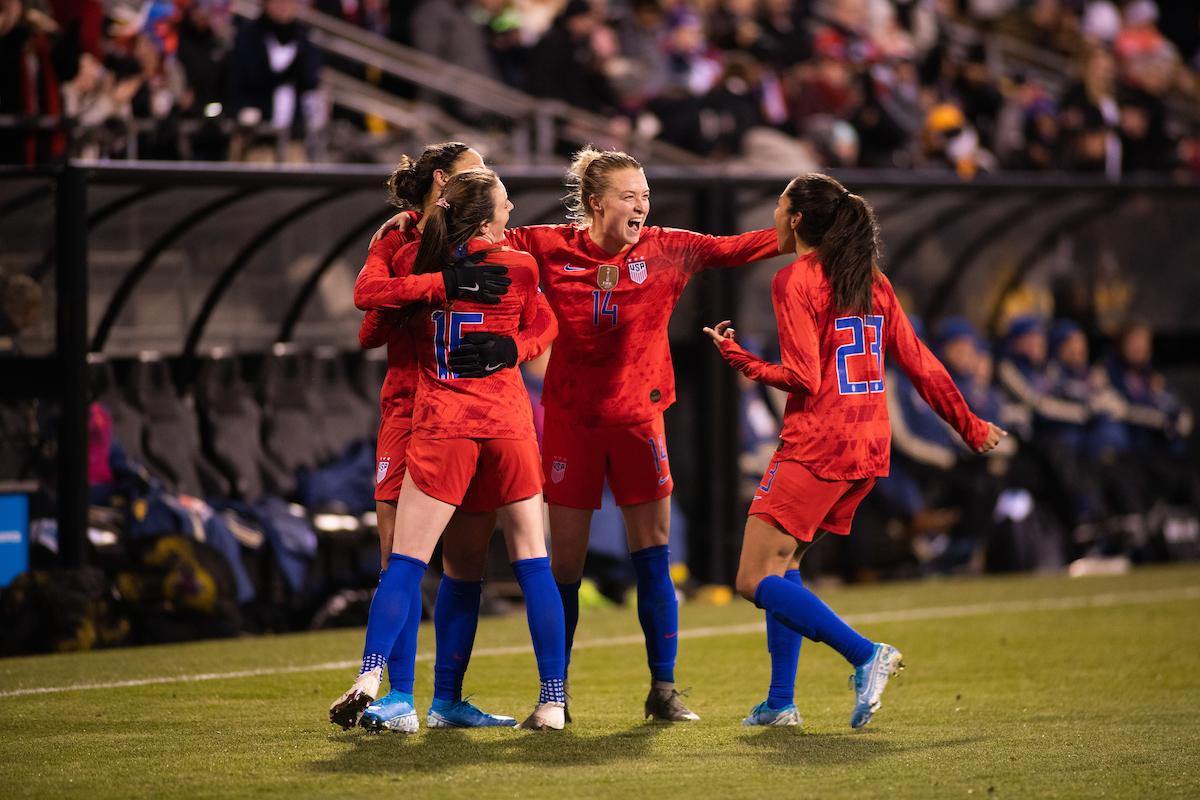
x=860, y=346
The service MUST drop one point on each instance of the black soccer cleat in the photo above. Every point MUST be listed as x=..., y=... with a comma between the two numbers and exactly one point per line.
x=665, y=705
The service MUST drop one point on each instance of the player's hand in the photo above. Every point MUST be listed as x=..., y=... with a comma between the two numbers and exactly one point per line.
x=476, y=283
x=400, y=222
x=994, y=435
x=482, y=354
x=723, y=332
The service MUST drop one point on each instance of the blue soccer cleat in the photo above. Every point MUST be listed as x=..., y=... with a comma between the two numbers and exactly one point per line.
x=464, y=715
x=763, y=714
x=869, y=680
x=392, y=712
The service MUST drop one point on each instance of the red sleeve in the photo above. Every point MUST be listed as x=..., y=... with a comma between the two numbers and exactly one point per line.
x=799, y=347
x=928, y=375
x=538, y=329
x=701, y=251
x=377, y=328
x=375, y=288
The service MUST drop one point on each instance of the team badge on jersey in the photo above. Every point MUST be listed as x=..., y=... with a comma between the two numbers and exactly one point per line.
x=558, y=470
x=382, y=470
x=607, y=276
x=637, y=271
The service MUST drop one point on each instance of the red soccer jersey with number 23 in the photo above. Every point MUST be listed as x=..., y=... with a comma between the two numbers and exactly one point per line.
x=836, y=419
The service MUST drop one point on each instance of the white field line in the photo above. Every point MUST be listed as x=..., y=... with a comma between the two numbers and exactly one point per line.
x=904, y=615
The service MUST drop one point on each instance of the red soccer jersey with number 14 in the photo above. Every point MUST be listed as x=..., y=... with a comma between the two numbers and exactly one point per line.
x=611, y=363
x=495, y=407
x=836, y=419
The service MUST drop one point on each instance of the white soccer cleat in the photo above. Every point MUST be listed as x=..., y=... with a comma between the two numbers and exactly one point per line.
x=869, y=680
x=546, y=717
x=346, y=709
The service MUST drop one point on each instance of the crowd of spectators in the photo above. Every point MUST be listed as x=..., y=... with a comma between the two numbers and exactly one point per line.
x=872, y=83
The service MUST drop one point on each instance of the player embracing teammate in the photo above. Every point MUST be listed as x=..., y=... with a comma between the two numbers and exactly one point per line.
x=838, y=318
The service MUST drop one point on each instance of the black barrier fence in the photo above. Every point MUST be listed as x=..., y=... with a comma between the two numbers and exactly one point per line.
x=185, y=258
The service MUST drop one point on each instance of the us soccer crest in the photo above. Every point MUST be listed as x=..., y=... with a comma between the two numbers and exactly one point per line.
x=607, y=276
x=637, y=271
x=382, y=470
x=558, y=470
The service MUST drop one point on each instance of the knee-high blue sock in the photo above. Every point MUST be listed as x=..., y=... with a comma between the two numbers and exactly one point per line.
x=402, y=661
x=569, y=592
x=802, y=611
x=658, y=610
x=544, y=610
x=783, y=644
x=455, y=619
x=390, y=607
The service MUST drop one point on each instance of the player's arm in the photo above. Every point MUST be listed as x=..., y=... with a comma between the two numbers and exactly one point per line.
x=377, y=288
x=701, y=251
x=405, y=222
x=932, y=381
x=539, y=326
x=377, y=328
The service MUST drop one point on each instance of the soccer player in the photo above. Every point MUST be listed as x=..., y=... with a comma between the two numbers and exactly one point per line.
x=838, y=317
x=468, y=431
x=613, y=283
x=415, y=185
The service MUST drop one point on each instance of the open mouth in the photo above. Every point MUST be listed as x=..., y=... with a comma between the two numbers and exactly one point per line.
x=635, y=225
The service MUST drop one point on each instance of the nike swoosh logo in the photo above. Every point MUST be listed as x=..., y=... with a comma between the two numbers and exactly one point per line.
x=663, y=479
x=670, y=635
x=757, y=497
x=569, y=268
x=474, y=287
x=493, y=367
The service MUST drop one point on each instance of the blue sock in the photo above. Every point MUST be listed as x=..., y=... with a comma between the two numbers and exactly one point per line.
x=783, y=644
x=390, y=607
x=802, y=611
x=402, y=661
x=543, y=609
x=569, y=592
x=455, y=619
x=658, y=610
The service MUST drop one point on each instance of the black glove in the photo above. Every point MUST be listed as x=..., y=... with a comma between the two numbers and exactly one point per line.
x=474, y=282
x=483, y=354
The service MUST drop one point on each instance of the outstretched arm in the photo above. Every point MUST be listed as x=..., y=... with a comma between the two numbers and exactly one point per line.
x=701, y=251
x=798, y=379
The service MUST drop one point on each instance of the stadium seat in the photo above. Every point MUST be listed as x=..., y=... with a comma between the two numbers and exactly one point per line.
x=231, y=425
x=293, y=431
x=346, y=415
x=129, y=426
x=172, y=436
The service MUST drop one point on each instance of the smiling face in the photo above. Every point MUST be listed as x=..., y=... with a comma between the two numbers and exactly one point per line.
x=785, y=223
x=619, y=214
x=493, y=229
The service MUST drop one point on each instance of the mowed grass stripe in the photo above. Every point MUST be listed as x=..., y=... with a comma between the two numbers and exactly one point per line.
x=1102, y=600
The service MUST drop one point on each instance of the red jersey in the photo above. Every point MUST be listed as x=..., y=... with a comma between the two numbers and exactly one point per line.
x=836, y=419
x=495, y=407
x=611, y=363
x=380, y=286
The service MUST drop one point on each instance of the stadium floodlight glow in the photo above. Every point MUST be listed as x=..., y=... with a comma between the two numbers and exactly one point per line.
x=213, y=110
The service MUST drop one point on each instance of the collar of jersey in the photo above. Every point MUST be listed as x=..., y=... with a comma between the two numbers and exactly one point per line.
x=599, y=254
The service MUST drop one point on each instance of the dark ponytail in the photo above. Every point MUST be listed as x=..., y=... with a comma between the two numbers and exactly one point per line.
x=465, y=204
x=842, y=227
x=410, y=182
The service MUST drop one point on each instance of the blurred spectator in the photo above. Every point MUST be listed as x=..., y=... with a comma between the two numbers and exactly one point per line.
x=568, y=63
x=29, y=85
x=1090, y=117
x=275, y=72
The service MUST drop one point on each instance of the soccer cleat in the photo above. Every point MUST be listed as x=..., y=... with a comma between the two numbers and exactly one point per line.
x=392, y=712
x=345, y=710
x=869, y=680
x=664, y=705
x=762, y=714
x=464, y=715
x=545, y=717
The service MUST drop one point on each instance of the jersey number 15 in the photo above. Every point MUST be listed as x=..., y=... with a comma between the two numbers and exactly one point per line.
x=447, y=335
x=859, y=346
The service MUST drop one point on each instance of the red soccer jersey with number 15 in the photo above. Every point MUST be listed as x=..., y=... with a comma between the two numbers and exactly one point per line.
x=449, y=407
x=836, y=419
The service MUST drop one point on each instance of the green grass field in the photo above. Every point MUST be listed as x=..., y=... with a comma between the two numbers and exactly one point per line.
x=1016, y=687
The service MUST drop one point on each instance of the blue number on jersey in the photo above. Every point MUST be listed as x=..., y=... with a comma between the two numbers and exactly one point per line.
x=857, y=347
x=447, y=335
x=603, y=307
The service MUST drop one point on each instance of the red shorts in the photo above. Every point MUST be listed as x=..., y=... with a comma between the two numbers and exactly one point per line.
x=576, y=460
x=391, y=456
x=477, y=475
x=799, y=503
